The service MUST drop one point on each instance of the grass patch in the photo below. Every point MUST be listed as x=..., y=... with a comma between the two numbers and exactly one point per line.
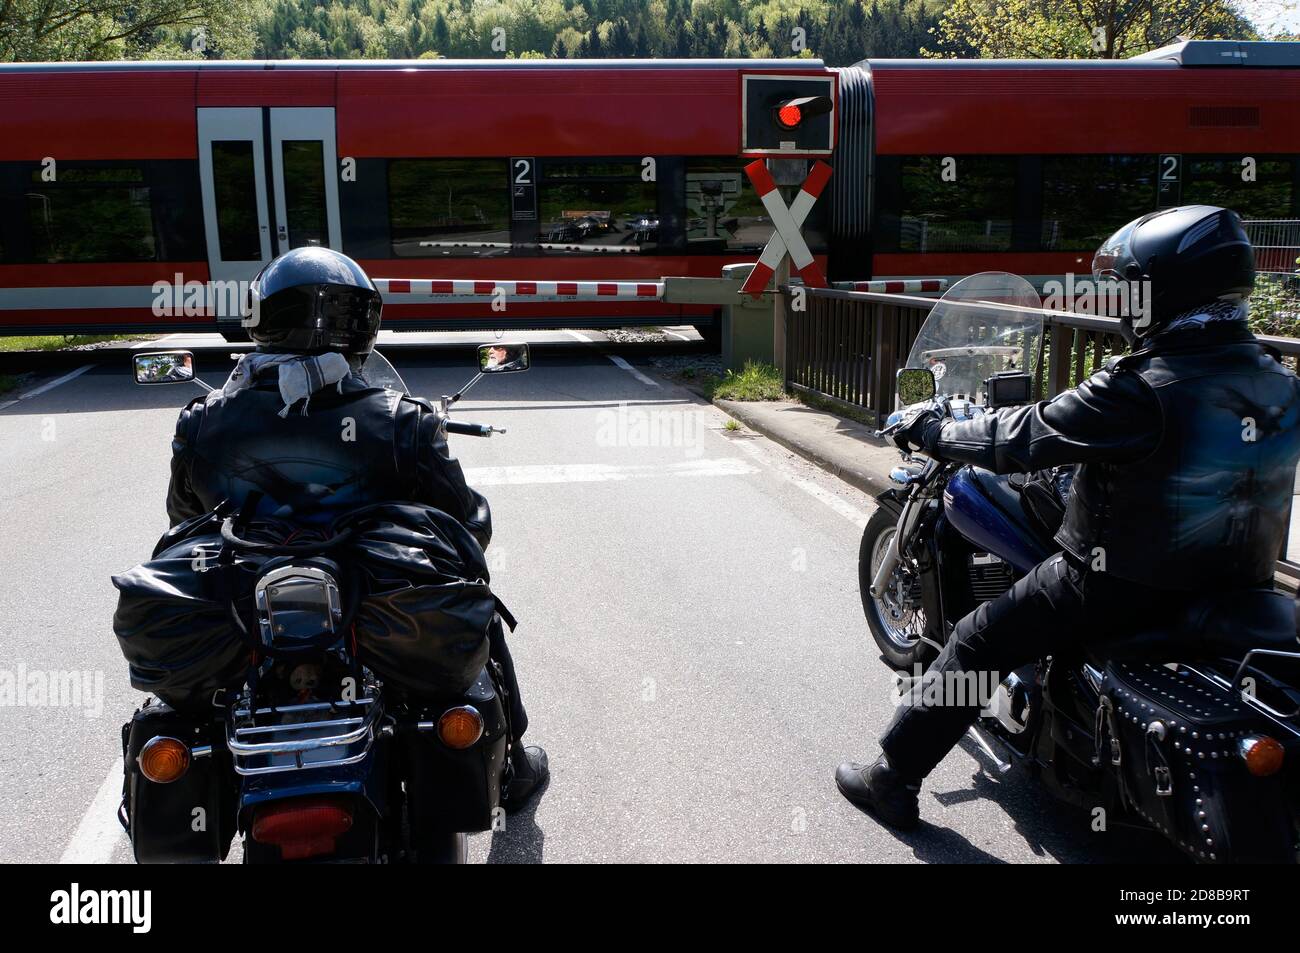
x=732, y=425
x=754, y=382
x=7, y=383
x=56, y=342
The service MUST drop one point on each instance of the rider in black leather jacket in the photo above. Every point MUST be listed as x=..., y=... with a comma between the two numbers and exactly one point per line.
x=315, y=316
x=1187, y=449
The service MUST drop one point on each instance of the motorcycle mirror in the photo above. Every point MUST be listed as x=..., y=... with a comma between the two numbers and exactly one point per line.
x=503, y=358
x=914, y=385
x=164, y=367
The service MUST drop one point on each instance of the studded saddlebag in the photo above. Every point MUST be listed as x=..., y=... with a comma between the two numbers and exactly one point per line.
x=1172, y=738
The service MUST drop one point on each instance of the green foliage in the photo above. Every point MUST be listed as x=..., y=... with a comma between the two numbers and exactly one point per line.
x=127, y=29
x=1275, y=305
x=836, y=31
x=754, y=382
x=840, y=32
x=1104, y=29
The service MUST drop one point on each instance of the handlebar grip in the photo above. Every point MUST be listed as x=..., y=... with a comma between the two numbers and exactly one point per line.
x=469, y=430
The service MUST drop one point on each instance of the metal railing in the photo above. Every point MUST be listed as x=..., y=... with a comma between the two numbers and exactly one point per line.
x=1276, y=242
x=845, y=347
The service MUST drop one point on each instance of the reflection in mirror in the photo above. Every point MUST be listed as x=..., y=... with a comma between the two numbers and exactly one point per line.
x=502, y=358
x=915, y=384
x=164, y=367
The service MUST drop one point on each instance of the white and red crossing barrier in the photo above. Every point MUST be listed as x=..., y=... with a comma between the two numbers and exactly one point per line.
x=909, y=286
x=479, y=289
x=786, y=237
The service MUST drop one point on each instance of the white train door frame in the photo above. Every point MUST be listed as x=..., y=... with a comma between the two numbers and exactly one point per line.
x=305, y=180
x=269, y=180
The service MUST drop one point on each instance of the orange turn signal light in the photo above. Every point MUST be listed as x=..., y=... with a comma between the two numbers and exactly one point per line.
x=460, y=727
x=1263, y=755
x=163, y=760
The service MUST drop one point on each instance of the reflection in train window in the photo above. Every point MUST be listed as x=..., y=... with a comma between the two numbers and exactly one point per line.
x=449, y=207
x=1085, y=198
x=90, y=213
x=592, y=207
x=304, y=192
x=957, y=203
x=234, y=185
x=1263, y=193
x=723, y=211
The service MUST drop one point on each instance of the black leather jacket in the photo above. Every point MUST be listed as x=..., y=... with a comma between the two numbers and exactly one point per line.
x=364, y=445
x=1188, y=450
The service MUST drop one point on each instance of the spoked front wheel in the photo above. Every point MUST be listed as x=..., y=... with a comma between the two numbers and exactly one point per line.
x=896, y=617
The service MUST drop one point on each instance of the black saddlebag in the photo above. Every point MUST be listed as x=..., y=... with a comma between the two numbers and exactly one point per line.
x=1172, y=737
x=453, y=791
x=173, y=620
x=425, y=604
x=417, y=599
x=189, y=820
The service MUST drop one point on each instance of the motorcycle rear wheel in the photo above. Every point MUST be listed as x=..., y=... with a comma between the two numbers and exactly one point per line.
x=897, y=619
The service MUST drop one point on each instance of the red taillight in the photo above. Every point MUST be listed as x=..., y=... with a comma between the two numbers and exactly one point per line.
x=303, y=827
x=789, y=116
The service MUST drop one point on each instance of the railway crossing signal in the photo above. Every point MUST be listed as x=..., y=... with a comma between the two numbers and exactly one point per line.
x=786, y=238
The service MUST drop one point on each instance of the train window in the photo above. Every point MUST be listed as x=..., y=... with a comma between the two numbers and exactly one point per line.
x=440, y=207
x=1085, y=198
x=957, y=203
x=304, y=192
x=90, y=213
x=594, y=206
x=234, y=180
x=1259, y=188
x=723, y=212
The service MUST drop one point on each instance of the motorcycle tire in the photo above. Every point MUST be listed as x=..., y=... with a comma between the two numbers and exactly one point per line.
x=884, y=615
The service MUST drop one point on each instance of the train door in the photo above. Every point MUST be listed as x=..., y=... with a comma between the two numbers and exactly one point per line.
x=269, y=178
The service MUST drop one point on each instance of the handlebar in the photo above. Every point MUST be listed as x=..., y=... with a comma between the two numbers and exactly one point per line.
x=471, y=430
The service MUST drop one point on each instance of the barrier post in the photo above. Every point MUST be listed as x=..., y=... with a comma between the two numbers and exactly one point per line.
x=748, y=326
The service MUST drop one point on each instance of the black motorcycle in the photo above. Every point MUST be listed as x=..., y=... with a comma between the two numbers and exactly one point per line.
x=311, y=754
x=1205, y=749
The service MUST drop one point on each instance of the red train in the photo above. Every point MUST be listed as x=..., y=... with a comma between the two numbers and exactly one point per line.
x=136, y=196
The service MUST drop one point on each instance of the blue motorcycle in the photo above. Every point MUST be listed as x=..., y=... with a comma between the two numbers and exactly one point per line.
x=1204, y=750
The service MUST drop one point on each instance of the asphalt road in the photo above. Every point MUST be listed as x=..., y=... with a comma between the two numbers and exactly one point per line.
x=691, y=649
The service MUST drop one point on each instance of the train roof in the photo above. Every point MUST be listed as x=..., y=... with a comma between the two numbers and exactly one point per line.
x=1271, y=54
x=440, y=64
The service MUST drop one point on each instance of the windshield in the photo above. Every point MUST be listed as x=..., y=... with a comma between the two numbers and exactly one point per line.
x=977, y=330
x=377, y=372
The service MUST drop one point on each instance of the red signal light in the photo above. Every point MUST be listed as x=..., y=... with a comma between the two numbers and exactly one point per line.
x=789, y=116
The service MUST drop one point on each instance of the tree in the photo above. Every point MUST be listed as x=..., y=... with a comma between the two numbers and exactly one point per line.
x=112, y=29
x=1105, y=29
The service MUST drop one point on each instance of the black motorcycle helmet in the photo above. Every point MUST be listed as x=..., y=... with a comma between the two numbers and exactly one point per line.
x=1189, y=256
x=312, y=300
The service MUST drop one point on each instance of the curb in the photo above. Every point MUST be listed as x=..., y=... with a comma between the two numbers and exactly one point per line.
x=866, y=479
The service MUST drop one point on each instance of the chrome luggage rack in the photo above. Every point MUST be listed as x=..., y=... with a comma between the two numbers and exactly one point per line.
x=301, y=737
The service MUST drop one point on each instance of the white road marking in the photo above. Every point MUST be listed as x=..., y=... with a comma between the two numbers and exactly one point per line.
x=99, y=832
x=602, y=472
x=616, y=360
x=162, y=340
x=858, y=517
x=47, y=386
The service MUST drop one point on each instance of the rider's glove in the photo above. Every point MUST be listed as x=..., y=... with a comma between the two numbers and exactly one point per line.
x=922, y=433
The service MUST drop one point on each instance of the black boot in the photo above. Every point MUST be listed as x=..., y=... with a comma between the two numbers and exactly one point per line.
x=889, y=795
x=529, y=771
